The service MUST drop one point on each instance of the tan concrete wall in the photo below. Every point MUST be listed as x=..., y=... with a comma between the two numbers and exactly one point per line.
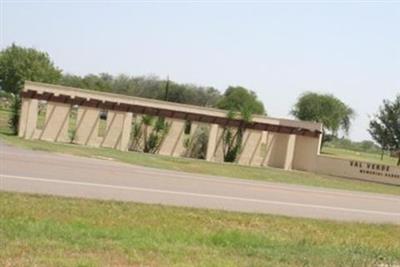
x=278, y=147
x=281, y=152
x=23, y=116
x=261, y=151
x=250, y=147
x=172, y=144
x=28, y=119
x=358, y=169
x=290, y=152
x=260, y=148
x=88, y=126
x=87, y=94
x=56, y=124
x=212, y=142
x=218, y=155
x=113, y=134
x=305, y=154
x=126, y=131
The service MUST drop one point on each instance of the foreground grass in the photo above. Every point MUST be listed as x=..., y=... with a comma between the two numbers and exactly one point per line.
x=363, y=156
x=203, y=167
x=53, y=231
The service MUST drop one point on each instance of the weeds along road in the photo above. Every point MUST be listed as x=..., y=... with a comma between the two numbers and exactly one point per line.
x=47, y=173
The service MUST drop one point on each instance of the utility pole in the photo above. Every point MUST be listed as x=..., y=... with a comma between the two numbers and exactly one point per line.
x=166, y=89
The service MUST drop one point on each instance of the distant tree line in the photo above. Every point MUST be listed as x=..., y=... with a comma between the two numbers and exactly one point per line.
x=345, y=143
x=145, y=86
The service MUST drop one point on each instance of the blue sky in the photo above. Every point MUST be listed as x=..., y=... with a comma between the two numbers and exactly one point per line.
x=279, y=50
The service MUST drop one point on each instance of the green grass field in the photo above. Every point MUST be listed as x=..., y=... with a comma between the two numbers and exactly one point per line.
x=364, y=156
x=52, y=231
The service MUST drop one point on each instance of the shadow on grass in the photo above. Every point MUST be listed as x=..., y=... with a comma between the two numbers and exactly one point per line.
x=7, y=132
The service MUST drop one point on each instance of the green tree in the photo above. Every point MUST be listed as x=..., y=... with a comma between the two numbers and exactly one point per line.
x=241, y=103
x=196, y=145
x=15, y=113
x=385, y=126
x=232, y=138
x=18, y=64
x=148, y=134
x=242, y=100
x=326, y=109
x=145, y=86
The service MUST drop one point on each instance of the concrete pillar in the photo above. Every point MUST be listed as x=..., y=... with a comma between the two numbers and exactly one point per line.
x=172, y=144
x=306, y=152
x=219, y=147
x=28, y=119
x=260, y=151
x=212, y=142
x=113, y=134
x=267, y=141
x=290, y=152
x=56, y=123
x=250, y=146
x=126, y=131
x=23, y=116
x=88, y=126
x=194, y=127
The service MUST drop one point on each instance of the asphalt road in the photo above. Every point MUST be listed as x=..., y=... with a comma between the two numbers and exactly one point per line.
x=48, y=173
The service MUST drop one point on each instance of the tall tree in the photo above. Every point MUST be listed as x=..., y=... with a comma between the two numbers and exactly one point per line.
x=326, y=109
x=18, y=64
x=240, y=99
x=385, y=126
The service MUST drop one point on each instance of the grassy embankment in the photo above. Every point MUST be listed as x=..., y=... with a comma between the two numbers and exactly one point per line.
x=199, y=166
x=52, y=231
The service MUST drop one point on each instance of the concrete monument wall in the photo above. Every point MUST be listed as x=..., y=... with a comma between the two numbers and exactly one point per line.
x=361, y=170
x=280, y=143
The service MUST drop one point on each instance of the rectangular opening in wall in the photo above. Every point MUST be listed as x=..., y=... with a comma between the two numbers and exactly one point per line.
x=41, y=118
x=196, y=144
x=136, y=133
x=72, y=123
x=188, y=127
x=102, y=123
